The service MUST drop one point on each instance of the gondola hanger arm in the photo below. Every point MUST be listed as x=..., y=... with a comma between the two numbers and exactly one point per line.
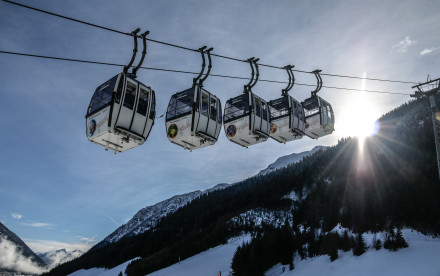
x=202, y=52
x=208, y=53
x=318, y=82
x=134, y=34
x=247, y=87
x=144, y=52
x=291, y=82
x=257, y=72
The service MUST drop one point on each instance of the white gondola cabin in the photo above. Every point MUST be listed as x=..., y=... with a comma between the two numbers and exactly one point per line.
x=320, y=119
x=246, y=120
x=194, y=116
x=287, y=119
x=120, y=114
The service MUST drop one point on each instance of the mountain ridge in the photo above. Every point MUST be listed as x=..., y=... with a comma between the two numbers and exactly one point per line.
x=20, y=245
x=148, y=217
x=57, y=257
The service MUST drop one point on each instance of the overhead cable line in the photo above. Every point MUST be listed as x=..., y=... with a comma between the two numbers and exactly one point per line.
x=188, y=72
x=195, y=50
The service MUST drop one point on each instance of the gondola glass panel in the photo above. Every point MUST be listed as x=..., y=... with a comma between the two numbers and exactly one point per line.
x=319, y=117
x=119, y=126
x=287, y=119
x=192, y=118
x=246, y=120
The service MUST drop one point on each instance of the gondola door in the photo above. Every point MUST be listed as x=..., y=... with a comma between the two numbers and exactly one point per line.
x=126, y=109
x=211, y=129
x=142, y=112
x=265, y=124
x=203, y=120
x=256, y=113
x=219, y=118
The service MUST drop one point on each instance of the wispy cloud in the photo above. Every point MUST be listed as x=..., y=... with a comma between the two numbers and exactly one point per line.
x=12, y=258
x=428, y=51
x=87, y=240
x=38, y=224
x=48, y=245
x=403, y=45
x=16, y=215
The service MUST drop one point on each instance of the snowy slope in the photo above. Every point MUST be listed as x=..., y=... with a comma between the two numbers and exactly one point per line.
x=102, y=271
x=148, y=217
x=210, y=262
x=286, y=160
x=420, y=258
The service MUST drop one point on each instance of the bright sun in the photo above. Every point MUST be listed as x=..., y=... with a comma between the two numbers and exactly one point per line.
x=358, y=119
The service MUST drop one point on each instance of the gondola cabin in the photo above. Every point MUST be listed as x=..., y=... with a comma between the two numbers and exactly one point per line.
x=193, y=118
x=287, y=119
x=247, y=120
x=120, y=114
x=320, y=119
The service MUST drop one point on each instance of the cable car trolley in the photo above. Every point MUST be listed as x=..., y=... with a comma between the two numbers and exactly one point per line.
x=246, y=117
x=320, y=119
x=193, y=118
x=287, y=114
x=122, y=110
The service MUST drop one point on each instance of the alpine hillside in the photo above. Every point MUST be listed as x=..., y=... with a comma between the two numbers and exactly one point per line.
x=149, y=216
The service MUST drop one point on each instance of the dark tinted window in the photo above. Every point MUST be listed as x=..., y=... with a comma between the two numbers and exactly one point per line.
x=205, y=104
x=264, y=108
x=236, y=107
x=102, y=95
x=143, y=102
x=219, y=112
x=279, y=107
x=153, y=105
x=257, y=107
x=180, y=104
x=130, y=95
x=311, y=106
x=119, y=91
x=213, y=109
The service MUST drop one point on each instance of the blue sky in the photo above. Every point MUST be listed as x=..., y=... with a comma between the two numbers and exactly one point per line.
x=59, y=190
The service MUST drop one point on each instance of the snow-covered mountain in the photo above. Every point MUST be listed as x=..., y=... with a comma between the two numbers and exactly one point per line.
x=149, y=216
x=56, y=257
x=286, y=160
x=16, y=256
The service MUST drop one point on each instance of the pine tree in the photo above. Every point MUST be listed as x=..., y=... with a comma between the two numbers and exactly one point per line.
x=378, y=244
x=346, y=242
x=400, y=241
x=291, y=266
x=333, y=253
x=360, y=245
